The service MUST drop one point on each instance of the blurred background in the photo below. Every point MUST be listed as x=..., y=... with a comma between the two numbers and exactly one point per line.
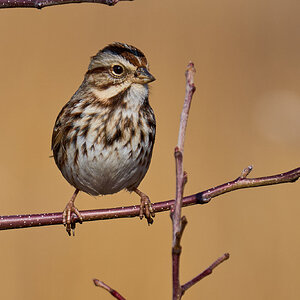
x=245, y=111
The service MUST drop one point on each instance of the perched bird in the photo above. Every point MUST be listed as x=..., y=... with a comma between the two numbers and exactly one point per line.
x=103, y=137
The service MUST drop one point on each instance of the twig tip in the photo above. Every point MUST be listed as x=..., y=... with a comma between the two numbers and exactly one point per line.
x=246, y=171
x=191, y=67
x=226, y=255
x=99, y=283
x=189, y=74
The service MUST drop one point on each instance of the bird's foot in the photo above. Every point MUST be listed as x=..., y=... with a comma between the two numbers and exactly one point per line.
x=146, y=208
x=67, y=215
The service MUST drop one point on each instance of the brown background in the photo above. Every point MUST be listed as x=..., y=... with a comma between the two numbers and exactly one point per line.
x=245, y=111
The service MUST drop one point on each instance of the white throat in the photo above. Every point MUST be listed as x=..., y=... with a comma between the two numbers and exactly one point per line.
x=111, y=91
x=135, y=96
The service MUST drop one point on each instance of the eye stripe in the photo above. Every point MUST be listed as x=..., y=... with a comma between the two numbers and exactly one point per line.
x=97, y=70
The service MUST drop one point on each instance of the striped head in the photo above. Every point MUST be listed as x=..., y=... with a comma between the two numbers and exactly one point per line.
x=116, y=67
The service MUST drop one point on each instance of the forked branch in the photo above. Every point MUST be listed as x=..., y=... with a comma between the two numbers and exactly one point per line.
x=179, y=223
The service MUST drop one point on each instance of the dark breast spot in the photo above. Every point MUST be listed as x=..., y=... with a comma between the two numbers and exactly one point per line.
x=84, y=130
x=76, y=157
x=132, y=132
x=67, y=129
x=77, y=116
x=142, y=136
x=84, y=105
x=66, y=142
x=128, y=123
x=151, y=138
x=151, y=123
x=84, y=149
x=109, y=140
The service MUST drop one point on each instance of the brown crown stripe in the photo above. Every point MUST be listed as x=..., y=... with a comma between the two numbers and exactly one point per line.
x=119, y=48
x=129, y=54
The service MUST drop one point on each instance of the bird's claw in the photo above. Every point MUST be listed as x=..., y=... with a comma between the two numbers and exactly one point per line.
x=67, y=217
x=146, y=209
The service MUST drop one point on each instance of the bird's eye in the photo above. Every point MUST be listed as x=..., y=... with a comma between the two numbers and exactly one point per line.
x=117, y=70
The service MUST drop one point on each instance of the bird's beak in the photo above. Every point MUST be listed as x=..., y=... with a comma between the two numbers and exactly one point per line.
x=142, y=75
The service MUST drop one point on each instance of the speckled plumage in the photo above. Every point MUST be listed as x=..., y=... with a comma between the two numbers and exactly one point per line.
x=103, y=137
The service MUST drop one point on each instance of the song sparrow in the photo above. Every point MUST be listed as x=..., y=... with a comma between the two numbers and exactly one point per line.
x=103, y=137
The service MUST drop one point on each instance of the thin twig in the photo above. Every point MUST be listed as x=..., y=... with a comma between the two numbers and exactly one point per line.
x=189, y=92
x=205, y=273
x=47, y=219
x=180, y=178
x=178, y=222
x=39, y=4
x=108, y=288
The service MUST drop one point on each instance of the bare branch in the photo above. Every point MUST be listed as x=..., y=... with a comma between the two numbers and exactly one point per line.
x=205, y=273
x=39, y=4
x=178, y=222
x=46, y=219
x=189, y=92
x=108, y=288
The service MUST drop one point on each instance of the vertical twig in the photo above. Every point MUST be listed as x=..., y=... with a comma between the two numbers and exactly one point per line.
x=181, y=177
x=179, y=222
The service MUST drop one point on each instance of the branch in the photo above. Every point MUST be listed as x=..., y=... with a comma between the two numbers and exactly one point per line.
x=178, y=222
x=181, y=177
x=205, y=273
x=108, y=288
x=39, y=4
x=46, y=219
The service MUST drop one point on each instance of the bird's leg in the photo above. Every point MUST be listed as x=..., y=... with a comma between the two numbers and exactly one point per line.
x=146, y=208
x=67, y=214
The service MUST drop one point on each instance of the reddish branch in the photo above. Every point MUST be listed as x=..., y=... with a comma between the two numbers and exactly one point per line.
x=113, y=292
x=205, y=273
x=46, y=219
x=181, y=177
x=43, y=3
x=179, y=223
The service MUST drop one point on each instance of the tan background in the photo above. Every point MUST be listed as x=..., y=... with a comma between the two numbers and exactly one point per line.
x=245, y=111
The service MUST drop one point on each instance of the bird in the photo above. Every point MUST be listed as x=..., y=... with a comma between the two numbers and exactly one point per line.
x=103, y=138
